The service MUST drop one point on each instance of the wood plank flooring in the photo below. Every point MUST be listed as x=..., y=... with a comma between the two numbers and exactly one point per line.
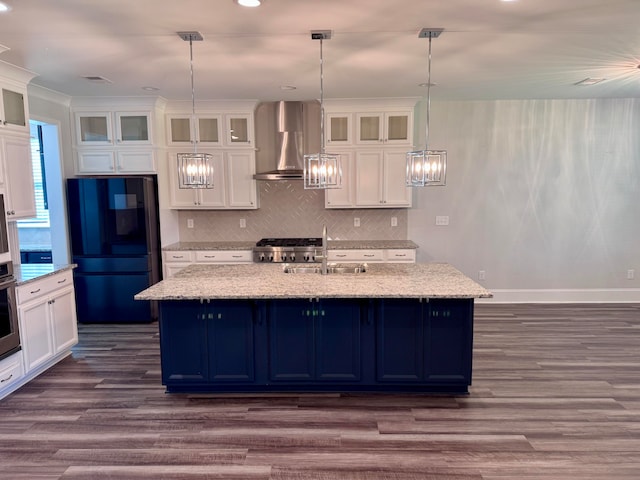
x=555, y=395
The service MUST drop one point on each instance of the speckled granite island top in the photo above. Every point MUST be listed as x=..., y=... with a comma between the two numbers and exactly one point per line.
x=332, y=245
x=260, y=281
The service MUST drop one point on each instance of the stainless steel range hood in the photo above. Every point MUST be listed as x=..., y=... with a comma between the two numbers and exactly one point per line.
x=285, y=132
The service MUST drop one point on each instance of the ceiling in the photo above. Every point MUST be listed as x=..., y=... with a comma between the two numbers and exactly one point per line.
x=490, y=48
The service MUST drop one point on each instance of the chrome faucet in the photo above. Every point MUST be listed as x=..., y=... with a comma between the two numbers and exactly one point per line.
x=324, y=271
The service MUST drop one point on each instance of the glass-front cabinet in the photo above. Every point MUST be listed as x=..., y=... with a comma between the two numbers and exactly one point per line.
x=14, y=115
x=338, y=129
x=185, y=130
x=96, y=128
x=386, y=128
x=239, y=129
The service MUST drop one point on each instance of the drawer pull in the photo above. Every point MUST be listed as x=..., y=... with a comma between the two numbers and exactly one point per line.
x=341, y=255
x=399, y=254
x=236, y=256
x=62, y=281
x=369, y=255
x=177, y=256
x=35, y=291
x=7, y=379
x=209, y=256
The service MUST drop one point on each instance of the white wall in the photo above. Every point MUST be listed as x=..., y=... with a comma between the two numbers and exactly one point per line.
x=541, y=194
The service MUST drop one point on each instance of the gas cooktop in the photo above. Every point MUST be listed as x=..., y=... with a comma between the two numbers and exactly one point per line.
x=293, y=250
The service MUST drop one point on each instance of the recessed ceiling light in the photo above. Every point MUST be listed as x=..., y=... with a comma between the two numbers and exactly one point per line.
x=4, y=7
x=426, y=84
x=589, y=81
x=288, y=87
x=249, y=3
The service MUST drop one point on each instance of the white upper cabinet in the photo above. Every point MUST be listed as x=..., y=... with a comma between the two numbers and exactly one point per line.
x=388, y=128
x=96, y=128
x=115, y=136
x=233, y=183
x=372, y=136
x=13, y=111
x=239, y=130
x=338, y=129
x=203, y=130
x=15, y=157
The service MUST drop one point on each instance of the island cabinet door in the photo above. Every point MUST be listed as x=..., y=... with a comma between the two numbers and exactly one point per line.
x=315, y=341
x=183, y=342
x=449, y=341
x=291, y=349
x=400, y=345
x=337, y=328
x=230, y=341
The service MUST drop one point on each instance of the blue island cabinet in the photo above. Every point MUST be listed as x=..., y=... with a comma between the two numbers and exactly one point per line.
x=330, y=344
x=208, y=343
x=425, y=343
x=315, y=340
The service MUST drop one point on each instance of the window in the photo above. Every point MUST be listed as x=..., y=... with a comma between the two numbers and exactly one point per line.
x=37, y=160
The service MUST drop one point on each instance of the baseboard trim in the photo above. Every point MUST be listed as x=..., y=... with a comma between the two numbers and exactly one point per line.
x=595, y=295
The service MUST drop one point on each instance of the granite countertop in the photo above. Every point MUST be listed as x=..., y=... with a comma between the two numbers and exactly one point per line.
x=256, y=281
x=332, y=244
x=30, y=272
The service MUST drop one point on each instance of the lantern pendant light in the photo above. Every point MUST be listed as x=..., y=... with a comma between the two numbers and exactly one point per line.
x=195, y=170
x=322, y=170
x=427, y=167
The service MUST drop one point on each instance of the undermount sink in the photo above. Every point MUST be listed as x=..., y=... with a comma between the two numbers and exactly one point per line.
x=331, y=269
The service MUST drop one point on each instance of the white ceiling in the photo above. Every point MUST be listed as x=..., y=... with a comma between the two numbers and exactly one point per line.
x=490, y=48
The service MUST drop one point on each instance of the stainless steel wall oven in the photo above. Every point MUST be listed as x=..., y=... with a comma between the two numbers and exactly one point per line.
x=9, y=334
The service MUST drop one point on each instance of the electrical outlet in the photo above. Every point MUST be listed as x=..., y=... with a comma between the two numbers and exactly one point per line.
x=394, y=221
x=243, y=223
x=189, y=222
x=481, y=275
x=356, y=221
x=631, y=274
x=442, y=220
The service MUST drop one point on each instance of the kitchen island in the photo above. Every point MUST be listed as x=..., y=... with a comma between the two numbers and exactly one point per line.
x=254, y=328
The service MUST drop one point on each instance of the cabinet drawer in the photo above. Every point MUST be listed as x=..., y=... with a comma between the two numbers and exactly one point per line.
x=400, y=255
x=356, y=255
x=182, y=256
x=46, y=285
x=224, y=256
x=10, y=370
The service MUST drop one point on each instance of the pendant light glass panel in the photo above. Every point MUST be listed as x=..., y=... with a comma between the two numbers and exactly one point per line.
x=426, y=168
x=322, y=170
x=195, y=170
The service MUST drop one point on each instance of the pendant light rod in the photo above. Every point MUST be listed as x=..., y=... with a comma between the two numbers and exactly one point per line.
x=321, y=35
x=191, y=37
x=429, y=33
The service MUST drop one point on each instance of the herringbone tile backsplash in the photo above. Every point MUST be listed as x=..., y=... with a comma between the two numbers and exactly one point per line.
x=287, y=210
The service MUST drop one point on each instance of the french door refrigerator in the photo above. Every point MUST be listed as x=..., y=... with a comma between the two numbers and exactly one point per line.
x=114, y=230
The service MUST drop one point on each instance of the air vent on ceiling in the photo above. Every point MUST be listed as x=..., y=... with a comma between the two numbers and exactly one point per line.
x=96, y=79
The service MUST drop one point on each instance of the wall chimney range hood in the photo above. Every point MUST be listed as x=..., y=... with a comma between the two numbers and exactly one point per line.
x=285, y=131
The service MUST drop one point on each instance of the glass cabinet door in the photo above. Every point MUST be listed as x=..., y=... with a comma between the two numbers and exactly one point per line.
x=369, y=128
x=239, y=130
x=14, y=111
x=209, y=130
x=397, y=128
x=133, y=128
x=93, y=128
x=338, y=128
x=180, y=130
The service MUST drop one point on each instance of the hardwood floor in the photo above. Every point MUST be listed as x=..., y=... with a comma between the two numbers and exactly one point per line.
x=555, y=395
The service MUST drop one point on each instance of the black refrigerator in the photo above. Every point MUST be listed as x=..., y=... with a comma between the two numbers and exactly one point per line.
x=114, y=230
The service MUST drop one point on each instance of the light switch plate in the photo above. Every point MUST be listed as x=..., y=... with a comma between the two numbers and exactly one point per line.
x=442, y=220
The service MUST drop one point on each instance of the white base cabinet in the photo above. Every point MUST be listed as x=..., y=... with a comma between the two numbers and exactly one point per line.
x=47, y=320
x=11, y=372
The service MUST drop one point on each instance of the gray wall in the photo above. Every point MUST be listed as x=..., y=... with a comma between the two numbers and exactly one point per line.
x=541, y=194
